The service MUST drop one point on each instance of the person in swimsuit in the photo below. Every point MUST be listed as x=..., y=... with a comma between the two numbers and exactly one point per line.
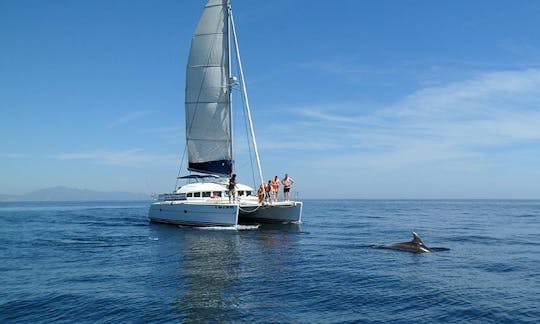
x=287, y=183
x=260, y=193
x=267, y=189
x=275, y=188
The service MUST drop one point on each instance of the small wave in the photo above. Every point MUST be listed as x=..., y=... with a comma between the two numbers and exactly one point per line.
x=217, y=228
x=439, y=249
x=153, y=238
x=382, y=246
x=248, y=227
x=476, y=239
x=230, y=228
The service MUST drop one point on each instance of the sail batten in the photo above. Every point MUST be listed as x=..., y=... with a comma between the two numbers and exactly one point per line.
x=207, y=101
x=205, y=34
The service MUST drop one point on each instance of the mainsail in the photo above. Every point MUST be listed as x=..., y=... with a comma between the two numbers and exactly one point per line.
x=207, y=101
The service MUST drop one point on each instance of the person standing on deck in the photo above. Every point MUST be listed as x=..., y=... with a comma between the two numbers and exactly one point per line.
x=260, y=193
x=232, y=187
x=267, y=189
x=275, y=188
x=287, y=183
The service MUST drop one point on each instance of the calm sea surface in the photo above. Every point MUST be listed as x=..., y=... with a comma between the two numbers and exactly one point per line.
x=104, y=262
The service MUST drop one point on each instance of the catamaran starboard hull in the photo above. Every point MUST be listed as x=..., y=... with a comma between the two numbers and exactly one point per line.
x=278, y=212
x=186, y=214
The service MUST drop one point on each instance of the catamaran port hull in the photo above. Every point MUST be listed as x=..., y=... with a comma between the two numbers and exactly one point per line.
x=189, y=214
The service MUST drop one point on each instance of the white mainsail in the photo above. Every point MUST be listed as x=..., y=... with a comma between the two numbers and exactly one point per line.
x=207, y=101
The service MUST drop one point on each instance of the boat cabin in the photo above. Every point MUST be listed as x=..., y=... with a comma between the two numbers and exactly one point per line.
x=207, y=190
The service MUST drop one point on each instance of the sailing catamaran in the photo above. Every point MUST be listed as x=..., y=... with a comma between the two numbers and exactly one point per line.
x=204, y=200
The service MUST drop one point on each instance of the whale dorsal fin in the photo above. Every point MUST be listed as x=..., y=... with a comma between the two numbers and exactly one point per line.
x=416, y=239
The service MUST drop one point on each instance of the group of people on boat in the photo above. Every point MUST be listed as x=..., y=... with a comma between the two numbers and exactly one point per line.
x=269, y=192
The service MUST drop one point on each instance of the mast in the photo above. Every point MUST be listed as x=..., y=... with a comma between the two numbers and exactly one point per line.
x=244, y=92
x=230, y=81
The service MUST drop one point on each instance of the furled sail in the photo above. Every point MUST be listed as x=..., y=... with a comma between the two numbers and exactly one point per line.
x=208, y=127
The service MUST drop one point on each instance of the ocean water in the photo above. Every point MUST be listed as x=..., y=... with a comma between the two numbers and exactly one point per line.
x=104, y=262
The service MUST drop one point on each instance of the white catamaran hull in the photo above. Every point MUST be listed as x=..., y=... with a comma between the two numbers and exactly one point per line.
x=189, y=214
x=277, y=212
x=224, y=214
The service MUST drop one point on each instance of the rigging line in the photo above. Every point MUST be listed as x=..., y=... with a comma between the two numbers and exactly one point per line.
x=181, y=167
x=243, y=84
x=246, y=125
x=249, y=145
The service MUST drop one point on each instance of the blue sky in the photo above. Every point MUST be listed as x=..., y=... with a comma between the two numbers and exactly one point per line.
x=354, y=99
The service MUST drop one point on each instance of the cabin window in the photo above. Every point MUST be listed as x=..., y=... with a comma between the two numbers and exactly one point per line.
x=241, y=193
x=189, y=195
x=248, y=193
x=217, y=193
x=196, y=194
x=206, y=194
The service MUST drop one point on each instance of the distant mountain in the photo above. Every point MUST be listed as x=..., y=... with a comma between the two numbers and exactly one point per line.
x=61, y=193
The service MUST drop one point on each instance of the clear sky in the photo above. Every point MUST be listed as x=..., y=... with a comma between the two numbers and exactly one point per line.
x=354, y=99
